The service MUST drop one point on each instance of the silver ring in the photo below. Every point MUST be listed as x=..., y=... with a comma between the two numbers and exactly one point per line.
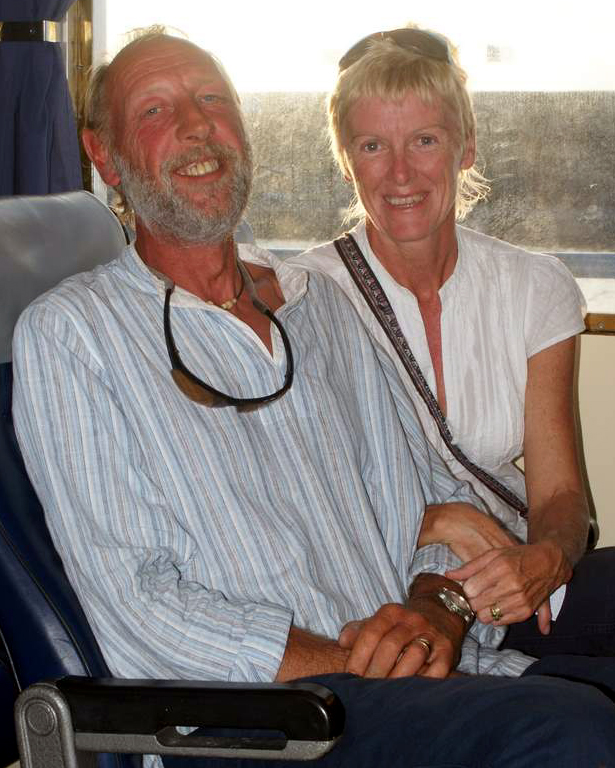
x=496, y=612
x=424, y=642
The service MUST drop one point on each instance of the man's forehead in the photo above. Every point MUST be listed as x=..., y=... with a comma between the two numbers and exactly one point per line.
x=159, y=57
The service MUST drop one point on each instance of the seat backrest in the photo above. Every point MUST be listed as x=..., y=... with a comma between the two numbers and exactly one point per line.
x=45, y=239
x=44, y=630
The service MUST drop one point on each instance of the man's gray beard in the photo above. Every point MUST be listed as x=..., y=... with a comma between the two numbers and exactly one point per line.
x=164, y=210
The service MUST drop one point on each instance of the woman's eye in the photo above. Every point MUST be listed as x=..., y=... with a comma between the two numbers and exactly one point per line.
x=153, y=110
x=370, y=146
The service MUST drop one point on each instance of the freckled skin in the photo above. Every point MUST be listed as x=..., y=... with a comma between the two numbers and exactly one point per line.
x=398, y=149
x=404, y=158
x=168, y=98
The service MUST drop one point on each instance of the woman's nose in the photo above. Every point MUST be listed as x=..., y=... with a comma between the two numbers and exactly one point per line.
x=402, y=167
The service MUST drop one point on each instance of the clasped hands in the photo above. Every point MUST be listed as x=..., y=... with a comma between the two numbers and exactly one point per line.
x=505, y=581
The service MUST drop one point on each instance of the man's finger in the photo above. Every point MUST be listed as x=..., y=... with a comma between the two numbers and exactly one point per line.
x=413, y=660
x=397, y=647
x=365, y=644
x=439, y=668
x=349, y=634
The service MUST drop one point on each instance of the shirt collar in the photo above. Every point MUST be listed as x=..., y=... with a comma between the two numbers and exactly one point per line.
x=292, y=281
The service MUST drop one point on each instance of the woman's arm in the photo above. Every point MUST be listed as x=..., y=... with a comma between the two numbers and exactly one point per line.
x=558, y=510
x=520, y=579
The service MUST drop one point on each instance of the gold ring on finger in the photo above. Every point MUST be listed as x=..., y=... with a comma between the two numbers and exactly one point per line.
x=496, y=612
x=424, y=642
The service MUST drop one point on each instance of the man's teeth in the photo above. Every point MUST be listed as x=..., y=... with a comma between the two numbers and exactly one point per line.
x=408, y=201
x=199, y=169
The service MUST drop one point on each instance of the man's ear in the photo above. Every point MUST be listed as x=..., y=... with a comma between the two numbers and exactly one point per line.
x=99, y=154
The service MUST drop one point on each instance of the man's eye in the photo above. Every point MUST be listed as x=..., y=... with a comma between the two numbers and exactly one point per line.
x=153, y=110
x=427, y=141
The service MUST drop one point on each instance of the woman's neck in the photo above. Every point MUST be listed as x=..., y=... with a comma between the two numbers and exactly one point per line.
x=421, y=266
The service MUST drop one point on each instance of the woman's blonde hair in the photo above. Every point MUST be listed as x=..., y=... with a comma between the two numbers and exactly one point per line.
x=389, y=71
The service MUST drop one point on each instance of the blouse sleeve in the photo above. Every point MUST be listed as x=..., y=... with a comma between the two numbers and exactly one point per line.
x=555, y=306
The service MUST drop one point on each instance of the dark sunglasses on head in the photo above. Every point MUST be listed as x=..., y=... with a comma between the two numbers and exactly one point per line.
x=418, y=40
x=204, y=394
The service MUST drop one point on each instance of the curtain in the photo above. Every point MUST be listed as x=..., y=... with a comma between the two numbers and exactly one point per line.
x=39, y=148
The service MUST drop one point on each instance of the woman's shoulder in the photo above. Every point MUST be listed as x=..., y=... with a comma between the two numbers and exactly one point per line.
x=534, y=291
x=499, y=258
x=321, y=258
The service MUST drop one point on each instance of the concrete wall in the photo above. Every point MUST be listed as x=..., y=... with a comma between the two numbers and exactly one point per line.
x=549, y=155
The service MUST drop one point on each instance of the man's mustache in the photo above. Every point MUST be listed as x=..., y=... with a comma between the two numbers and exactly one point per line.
x=208, y=151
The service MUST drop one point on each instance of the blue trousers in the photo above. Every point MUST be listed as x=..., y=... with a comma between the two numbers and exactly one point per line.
x=586, y=623
x=474, y=722
x=560, y=714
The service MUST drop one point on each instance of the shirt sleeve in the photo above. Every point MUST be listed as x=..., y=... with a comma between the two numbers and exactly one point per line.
x=125, y=551
x=477, y=659
x=555, y=306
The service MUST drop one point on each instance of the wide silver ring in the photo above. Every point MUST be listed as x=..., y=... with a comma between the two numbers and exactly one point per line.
x=423, y=641
x=496, y=612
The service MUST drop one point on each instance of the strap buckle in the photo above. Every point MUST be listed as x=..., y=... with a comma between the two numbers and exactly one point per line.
x=30, y=31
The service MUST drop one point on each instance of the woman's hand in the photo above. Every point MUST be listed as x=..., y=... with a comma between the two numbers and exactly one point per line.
x=513, y=579
x=514, y=582
x=468, y=532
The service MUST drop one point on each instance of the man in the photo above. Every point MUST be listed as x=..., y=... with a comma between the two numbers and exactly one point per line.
x=254, y=513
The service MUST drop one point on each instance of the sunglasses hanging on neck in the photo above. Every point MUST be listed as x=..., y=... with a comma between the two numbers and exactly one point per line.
x=201, y=392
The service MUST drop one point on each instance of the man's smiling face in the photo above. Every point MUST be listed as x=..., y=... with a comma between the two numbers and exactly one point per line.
x=179, y=144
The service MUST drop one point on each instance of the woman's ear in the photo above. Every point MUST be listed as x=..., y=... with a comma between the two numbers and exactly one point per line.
x=98, y=152
x=345, y=169
x=469, y=153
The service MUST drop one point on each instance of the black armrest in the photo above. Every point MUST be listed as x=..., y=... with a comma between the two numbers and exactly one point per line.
x=56, y=721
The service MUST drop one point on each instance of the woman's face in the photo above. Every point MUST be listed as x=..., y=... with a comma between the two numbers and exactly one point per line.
x=404, y=158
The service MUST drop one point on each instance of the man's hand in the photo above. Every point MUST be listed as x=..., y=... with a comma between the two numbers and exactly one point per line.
x=516, y=580
x=421, y=637
x=309, y=654
x=467, y=532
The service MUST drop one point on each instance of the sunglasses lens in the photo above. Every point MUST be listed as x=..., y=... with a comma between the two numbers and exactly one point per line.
x=194, y=391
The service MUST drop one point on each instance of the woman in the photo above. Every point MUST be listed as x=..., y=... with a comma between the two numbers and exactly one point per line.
x=491, y=327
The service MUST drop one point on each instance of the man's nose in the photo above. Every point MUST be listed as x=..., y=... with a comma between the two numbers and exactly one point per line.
x=193, y=123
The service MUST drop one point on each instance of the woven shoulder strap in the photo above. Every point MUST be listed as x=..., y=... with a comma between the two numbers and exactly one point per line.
x=373, y=293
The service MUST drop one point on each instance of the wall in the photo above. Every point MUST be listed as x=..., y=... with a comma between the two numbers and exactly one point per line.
x=597, y=411
x=549, y=157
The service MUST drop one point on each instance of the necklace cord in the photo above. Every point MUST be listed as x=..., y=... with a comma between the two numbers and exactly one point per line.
x=198, y=390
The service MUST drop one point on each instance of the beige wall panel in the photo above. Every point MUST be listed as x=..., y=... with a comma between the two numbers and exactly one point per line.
x=597, y=411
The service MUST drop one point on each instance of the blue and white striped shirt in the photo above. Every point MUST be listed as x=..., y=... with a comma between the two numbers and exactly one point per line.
x=194, y=537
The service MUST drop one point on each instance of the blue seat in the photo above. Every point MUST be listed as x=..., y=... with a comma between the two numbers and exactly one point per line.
x=44, y=632
x=8, y=693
